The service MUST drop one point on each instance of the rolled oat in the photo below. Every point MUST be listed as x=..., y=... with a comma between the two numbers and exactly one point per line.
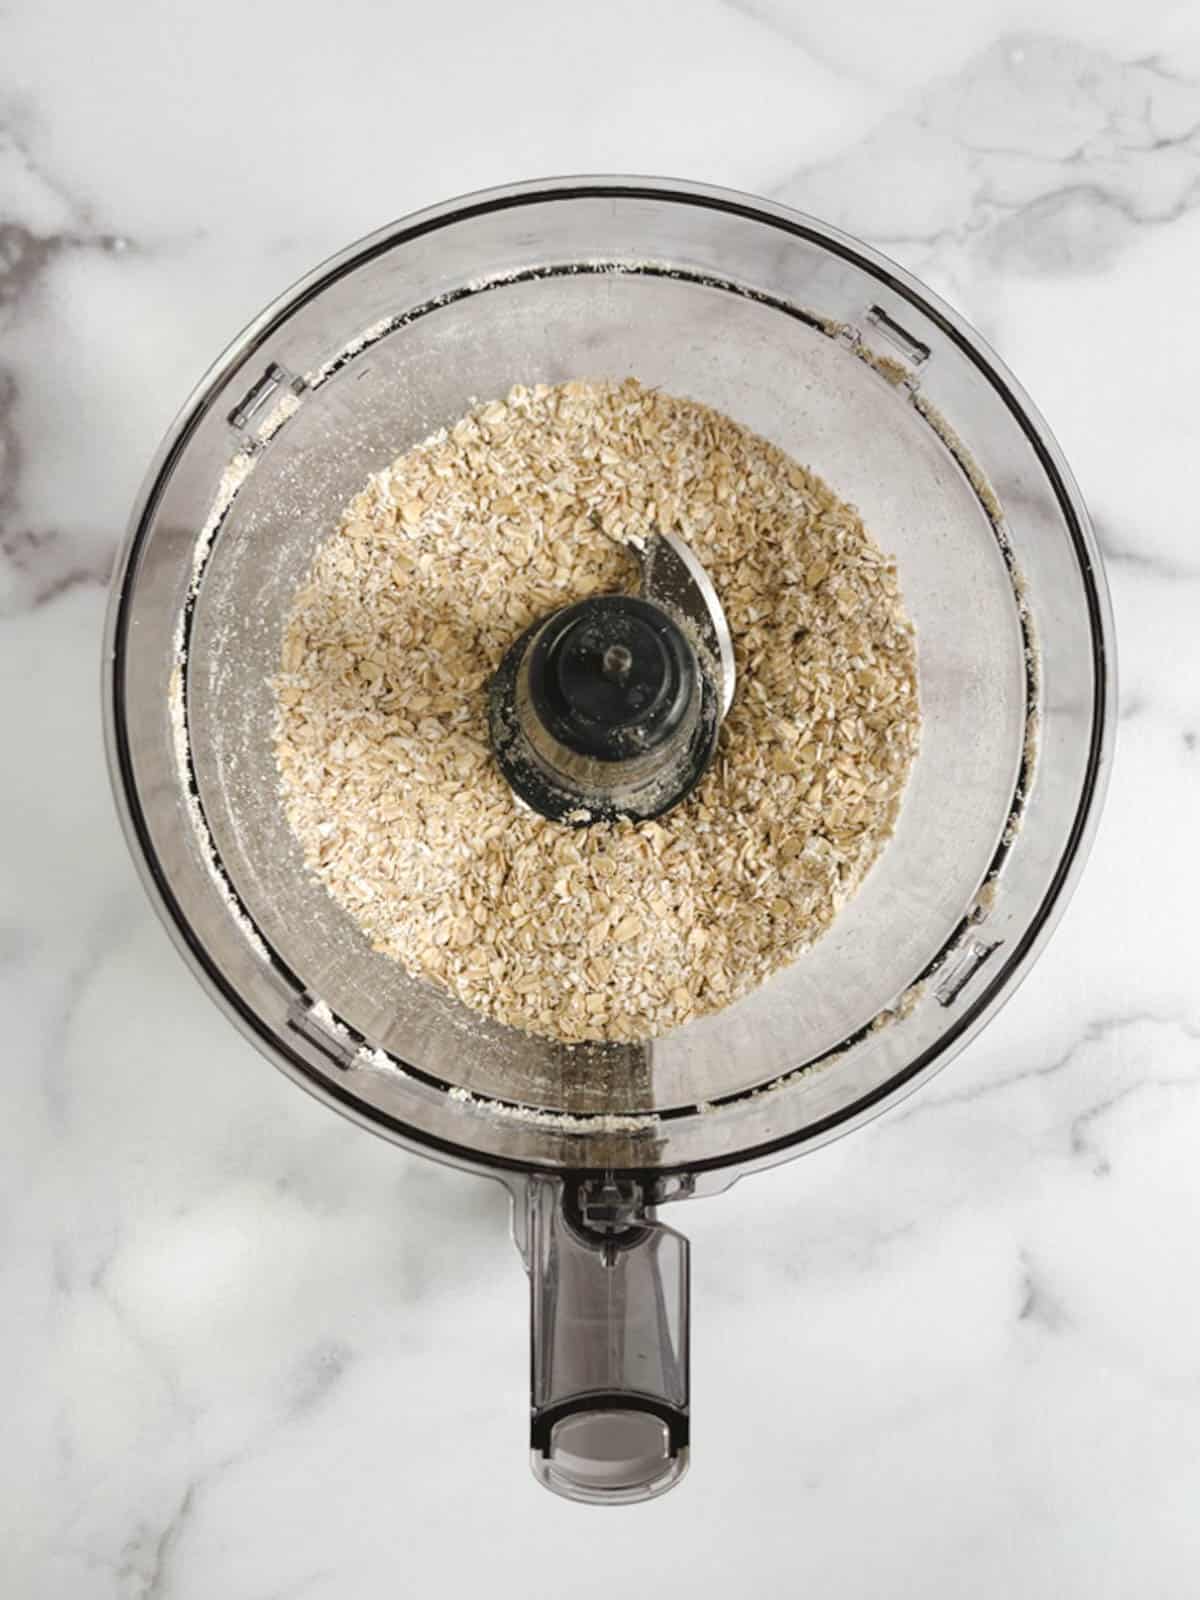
x=612, y=931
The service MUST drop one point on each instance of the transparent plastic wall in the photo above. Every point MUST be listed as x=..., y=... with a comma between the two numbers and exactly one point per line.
x=801, y=335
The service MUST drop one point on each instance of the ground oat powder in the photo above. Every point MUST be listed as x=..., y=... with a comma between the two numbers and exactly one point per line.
x=613, y=931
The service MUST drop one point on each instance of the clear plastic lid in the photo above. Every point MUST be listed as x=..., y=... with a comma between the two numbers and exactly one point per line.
x=811, y=340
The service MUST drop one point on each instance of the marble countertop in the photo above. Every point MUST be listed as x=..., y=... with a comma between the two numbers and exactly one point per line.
x=255, y=1354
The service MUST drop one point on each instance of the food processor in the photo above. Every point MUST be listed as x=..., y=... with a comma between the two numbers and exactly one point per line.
x=844, y=361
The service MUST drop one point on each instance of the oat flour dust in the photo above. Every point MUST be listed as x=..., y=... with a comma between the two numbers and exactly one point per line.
x=613, y=931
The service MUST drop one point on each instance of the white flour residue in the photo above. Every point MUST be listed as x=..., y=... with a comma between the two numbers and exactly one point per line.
x=355, y=347
x=321, y=1013
x=286, y=406
x=563, y=1122
x=232, y=479
x=196, y=817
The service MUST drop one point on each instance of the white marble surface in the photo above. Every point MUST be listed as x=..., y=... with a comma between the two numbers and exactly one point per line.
x=251, y=1352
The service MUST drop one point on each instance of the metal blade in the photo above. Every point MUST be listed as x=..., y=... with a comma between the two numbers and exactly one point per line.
x=672, y=576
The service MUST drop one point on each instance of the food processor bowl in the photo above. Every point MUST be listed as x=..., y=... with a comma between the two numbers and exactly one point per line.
x=844, y=361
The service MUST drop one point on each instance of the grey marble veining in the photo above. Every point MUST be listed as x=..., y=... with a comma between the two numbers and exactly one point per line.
x=254, y=1353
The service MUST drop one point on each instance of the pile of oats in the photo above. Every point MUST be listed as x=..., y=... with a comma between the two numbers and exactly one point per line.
x=619, y=931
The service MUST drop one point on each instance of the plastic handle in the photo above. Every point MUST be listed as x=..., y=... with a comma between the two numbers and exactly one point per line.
x=609, y=1328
